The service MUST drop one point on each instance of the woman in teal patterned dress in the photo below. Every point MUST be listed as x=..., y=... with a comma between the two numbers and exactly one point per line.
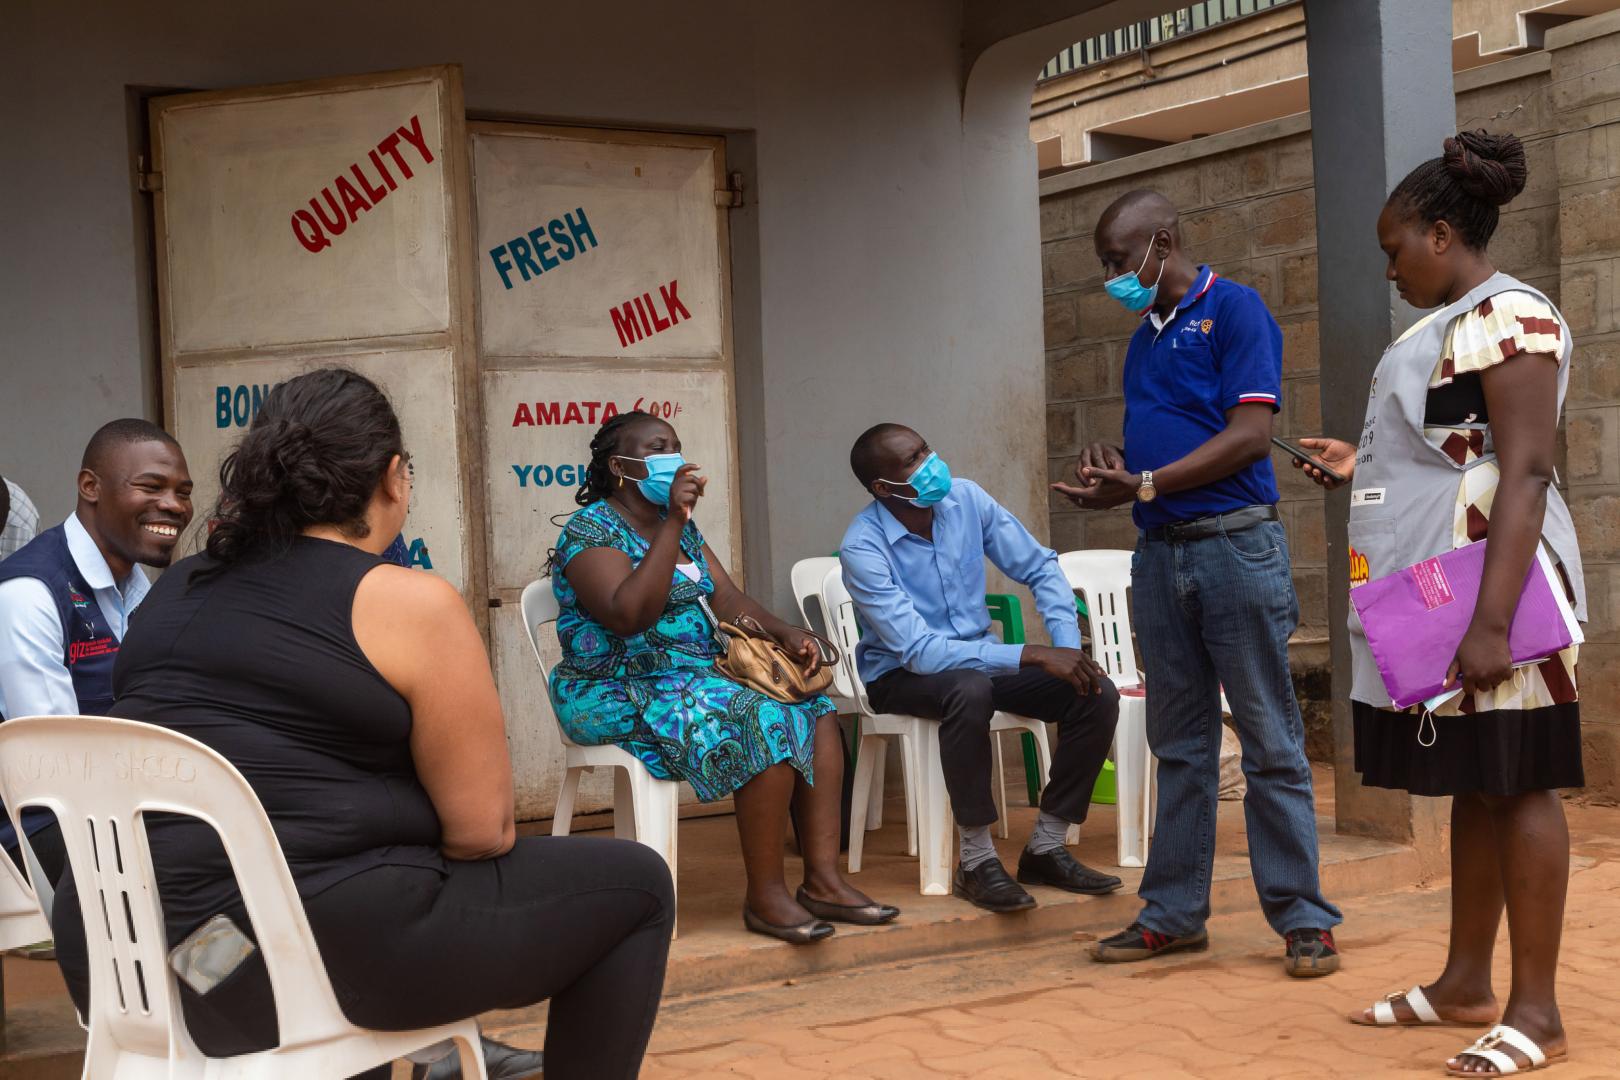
x=638, y=672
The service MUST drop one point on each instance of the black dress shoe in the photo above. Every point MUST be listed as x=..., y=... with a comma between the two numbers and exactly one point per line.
x=502, y=1062
x=873, y=914
x=805, y=933
x=1061, y=870
x=989, y=886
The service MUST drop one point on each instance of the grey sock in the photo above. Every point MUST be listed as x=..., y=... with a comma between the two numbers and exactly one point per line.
x=1048, y=834
x=977, y=847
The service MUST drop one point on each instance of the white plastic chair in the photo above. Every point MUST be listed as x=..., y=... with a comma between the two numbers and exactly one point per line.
x=930, y=805
x=645, y=808
x=1104, y=576
x=807, y=576
x=100, y=777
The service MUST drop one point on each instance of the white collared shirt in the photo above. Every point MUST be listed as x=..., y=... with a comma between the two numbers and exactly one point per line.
x=33, y=679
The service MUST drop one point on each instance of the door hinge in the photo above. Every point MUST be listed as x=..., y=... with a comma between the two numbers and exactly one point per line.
x=730, y=196
x=146, y=181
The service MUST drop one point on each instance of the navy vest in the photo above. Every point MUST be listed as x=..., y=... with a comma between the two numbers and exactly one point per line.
x=88, y=645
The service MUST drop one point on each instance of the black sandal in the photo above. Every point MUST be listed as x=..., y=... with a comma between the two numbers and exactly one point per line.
x=873, y=914
x=805, y=933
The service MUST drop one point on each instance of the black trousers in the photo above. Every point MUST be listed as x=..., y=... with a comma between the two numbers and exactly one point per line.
x=582, y=921
x=963, y=702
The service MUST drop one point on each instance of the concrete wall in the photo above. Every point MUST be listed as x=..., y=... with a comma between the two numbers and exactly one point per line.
x=1247, y=203
x=1580, y=103
x=870, y=264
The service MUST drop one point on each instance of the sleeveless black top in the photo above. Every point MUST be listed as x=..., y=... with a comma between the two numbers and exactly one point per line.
x=259, y=661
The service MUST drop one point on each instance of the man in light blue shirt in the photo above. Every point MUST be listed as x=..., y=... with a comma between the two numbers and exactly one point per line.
x=913, y=561
x=66, y=596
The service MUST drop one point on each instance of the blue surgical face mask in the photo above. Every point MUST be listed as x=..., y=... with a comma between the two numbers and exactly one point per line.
x=931, y=481
x=661, y=470
x=1128, y=288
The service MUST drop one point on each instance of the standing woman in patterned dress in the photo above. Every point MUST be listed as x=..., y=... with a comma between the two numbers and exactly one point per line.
x=631, y=573
x=1460, y=443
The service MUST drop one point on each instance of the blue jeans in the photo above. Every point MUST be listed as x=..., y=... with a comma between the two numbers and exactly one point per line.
x=1210, y=613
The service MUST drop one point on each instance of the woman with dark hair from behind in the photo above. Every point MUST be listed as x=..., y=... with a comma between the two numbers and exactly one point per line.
x=356, y=698
x=637, y=584
x=1460, y=442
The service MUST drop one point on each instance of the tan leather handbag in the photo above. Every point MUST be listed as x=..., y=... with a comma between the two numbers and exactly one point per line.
x=751, y=656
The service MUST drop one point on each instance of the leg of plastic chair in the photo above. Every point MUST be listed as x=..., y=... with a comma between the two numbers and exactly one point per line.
x=665, y=797
x=563, y=818
x=656, y=811
x=626, y=816
x=869, y=761
x=1034, y=780
x=1130, y=774
x=999, y=789
x=879, y=749
x=471, y=1054
x=935, y=825
x=908, y=770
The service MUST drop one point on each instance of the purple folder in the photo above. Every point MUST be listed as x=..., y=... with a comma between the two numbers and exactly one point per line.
x=1415, y=618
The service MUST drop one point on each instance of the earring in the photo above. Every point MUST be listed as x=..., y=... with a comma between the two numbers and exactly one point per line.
x=621, y=479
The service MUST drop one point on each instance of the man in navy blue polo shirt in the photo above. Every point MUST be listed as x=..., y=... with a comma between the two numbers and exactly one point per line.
x=1213, y=592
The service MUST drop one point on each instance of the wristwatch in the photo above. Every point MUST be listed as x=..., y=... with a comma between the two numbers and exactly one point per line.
x=1146, y=492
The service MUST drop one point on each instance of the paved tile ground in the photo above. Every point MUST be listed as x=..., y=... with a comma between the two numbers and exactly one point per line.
x=1228, y=1013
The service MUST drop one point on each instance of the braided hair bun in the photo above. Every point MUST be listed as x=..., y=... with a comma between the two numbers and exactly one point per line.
x=1475, y=175
x=1490, y=168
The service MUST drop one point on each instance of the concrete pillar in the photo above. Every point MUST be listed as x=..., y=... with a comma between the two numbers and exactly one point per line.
x=1381, y=102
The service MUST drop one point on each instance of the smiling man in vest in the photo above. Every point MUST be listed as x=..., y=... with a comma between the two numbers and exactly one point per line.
x=66, y=596
x=1212, y=586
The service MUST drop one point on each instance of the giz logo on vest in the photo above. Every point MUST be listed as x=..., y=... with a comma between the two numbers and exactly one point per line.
x=85, y=650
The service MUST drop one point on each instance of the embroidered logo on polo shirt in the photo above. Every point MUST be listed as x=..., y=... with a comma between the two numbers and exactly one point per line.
x=1207, y=325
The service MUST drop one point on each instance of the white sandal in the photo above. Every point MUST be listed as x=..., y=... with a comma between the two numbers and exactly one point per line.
x=1384, y=1011
x=1485, y=1048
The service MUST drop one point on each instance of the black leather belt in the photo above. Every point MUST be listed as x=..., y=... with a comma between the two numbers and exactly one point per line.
x=1202, y=528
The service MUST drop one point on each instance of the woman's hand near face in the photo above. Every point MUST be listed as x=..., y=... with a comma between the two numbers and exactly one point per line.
x=1336, y=454
x=684, y=492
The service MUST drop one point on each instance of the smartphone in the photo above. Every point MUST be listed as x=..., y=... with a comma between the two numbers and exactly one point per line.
x=1301, y=456
x=210, y=953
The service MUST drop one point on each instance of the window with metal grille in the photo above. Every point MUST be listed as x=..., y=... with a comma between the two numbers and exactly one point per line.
x=1149, y=32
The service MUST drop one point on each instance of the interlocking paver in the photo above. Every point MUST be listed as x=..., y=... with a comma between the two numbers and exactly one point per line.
x=1229, y=1014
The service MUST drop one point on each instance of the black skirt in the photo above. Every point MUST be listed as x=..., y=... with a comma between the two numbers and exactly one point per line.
x=1503, y=752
